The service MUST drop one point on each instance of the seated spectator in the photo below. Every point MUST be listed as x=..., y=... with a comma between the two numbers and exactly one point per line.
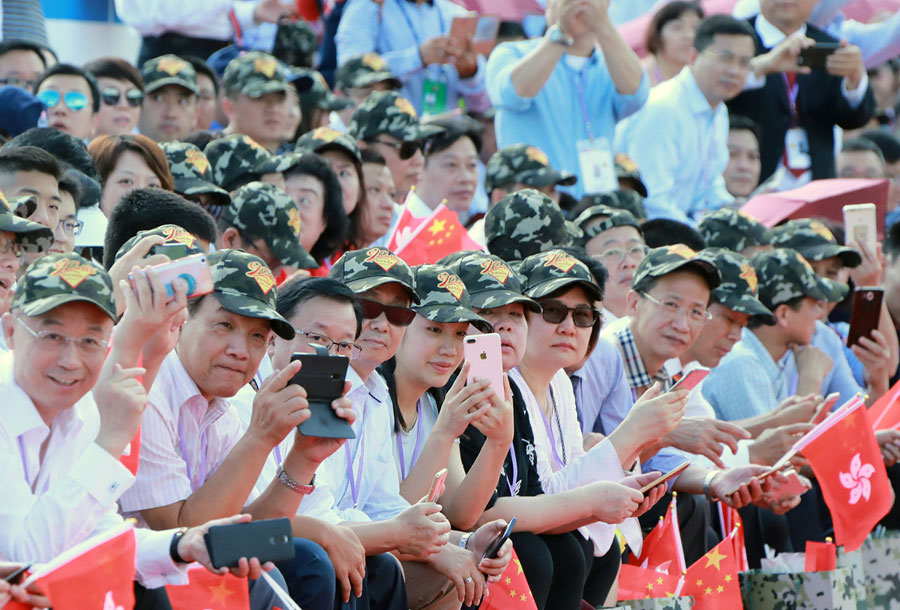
x=121, y=95
x=666, y=232
x=193, y=177
x=734, y=230
x=524, y=223
x=128, y=162
x=451, y=166
x=238, y=160
x=669, y=40
x=742, y=172
x=209, y=107
x=316, y=101
x=21, y=63
x=255, y=101
x=359, y=76
x=889, y=144
x=69, y=226
x=170, y=98
x=378, y=213
x=72, y=99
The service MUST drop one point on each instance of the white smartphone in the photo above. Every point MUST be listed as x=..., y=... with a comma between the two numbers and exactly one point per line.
x=859, y=226
x=485, y=359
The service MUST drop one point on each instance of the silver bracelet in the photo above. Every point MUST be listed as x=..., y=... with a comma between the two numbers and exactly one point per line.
x=285, y=479
x=464, y=540
x=707, y=481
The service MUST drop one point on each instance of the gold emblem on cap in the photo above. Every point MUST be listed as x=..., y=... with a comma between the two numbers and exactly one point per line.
x=748, y=274
x=626, y=162
x=804, y=262
x=171, y=65
x=326, y=134
x=821, y=230
x=680, y=250
x=381, y=257
x=197, y=159
x=72, y=272
x=265, y=65
x=495, y=269
x=374, y=62
x=253, y=143
x=294, y=220
x=537, y=155
x=560, y=260
x=405, y=106
x=261, y=275
x=747, y=216
x=179, y=235
x=451, y=283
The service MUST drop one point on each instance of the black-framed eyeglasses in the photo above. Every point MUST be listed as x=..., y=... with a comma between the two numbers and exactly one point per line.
x=405, y=150
x=555, y=312
x=111, y=96
x=72, y=226
x=396, y=315
x=341, y=348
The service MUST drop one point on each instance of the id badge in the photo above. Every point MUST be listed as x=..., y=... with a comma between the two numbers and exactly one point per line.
x=797, y=146
x=434, y=96
x=595, y=159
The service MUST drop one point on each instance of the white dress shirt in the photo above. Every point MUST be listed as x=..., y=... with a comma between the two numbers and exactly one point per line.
x=197, y=18
x=54, y=503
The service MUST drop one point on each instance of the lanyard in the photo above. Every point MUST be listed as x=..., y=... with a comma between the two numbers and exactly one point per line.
x=412, y=28
x=562, y=441
x=580, y=91
x=515, y=468
x=399, y=437
x=28, y=480
x=187, y=463
x=361, y=453
x=792, y=90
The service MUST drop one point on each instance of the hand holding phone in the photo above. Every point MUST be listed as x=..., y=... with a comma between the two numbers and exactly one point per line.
x=322, y=377
x=665, y=477
x=865, y=313
x=485, y=358
x=193, y=270
x=267, y=540
x=691, y=380
x=497, y=543
x=438, y=484
x=816, y=56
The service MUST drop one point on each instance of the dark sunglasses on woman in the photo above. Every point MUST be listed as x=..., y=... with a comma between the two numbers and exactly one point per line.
x=111, y=97
x=554, y=312
x=396, y=315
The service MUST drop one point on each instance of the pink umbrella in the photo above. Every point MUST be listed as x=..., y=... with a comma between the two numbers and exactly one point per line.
x=509, y=10
x=866, y=10
x=822, y=198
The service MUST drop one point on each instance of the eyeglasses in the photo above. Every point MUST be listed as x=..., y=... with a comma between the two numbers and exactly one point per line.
x=7, y=244
x=75, y=100
x=404, y=149
x=111, y=96
x=617, y=255
x=341, y=348
x=727, y=57
x=88, y=346
x=71, y=226
x=555, y=312
x=695, y=315
x=396, y=315
x=15, y=81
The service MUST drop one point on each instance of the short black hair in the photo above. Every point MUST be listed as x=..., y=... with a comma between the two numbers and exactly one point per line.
x=201, y=138
x=8, y=46
x=454, y=129
x=68, y=150
x=69, y=69
x=336, y=222
x=115, y=68
x=28, y=159
x=293, y=293
x=201, y=67
x=738, y=122
x=724, y=25
x=370, y=155
x=891, y=244
x=145, y=209
x=594, y=266
x=660, y=232
x=71, y=184
x=887, y=142
x=862, y=145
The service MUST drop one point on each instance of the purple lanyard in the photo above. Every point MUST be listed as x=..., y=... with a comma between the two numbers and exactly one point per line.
x=25, y=468
x=399, y=437
x=792, y=91
x=187, y=462
x=582, y=102
x=515, y=468
x=355, y=483
x=562, y=442
x=278, y=455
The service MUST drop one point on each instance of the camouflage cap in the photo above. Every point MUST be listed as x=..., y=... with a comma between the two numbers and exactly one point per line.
x=812, y=239
x=443, y=297
x=738, y=290
x=627, y=169
x=609, y=218
x=236, y=156
x=245, y=285
x=490, y=282
x=669, y=259
x=168, y=70
x=318, y=93
x=621, y=199
x=365, y=71
x=57, y=279
x=732, y=229
x=172, y=234
x=254, y=74
x=363, y=270
x=263, y=210
x=191, y=170
x=321, y=139
x=784, y=274
x=388, y=112
x=33, y=237
x=522, y=163
x=546, y=272
x=523, y=223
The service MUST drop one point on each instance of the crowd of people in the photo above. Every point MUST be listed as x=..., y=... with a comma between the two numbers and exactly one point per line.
x=604, y=189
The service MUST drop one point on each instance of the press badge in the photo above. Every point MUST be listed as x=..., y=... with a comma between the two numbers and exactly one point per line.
x=595, y=159
x=796, y=145
x=434, y=96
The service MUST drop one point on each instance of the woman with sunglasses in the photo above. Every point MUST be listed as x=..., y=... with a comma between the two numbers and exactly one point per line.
x=126, y=163
x=121, y=95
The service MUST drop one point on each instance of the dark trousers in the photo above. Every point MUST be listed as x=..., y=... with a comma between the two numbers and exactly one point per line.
x=309, y=576
x=178, y=44
x=383, y=586
x=600, y=572
x=693, y=519
x=150, y=599
x=555, y=567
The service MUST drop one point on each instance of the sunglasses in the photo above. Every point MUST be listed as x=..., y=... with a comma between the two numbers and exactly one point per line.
x=396, y=315
x=74, y=100
x=111, y=97
x=405, y=150
x=555, y=312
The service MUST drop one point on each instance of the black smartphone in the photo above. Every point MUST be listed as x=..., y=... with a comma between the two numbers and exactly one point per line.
x=16, y=576
x=494, y=547
x=173, y=251
x=865, y=313
x=267, y=540
x=814, y=57
x=323, y=378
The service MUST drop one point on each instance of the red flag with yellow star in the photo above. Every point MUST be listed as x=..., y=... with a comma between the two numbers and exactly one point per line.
x=511, y=592
x=437, y=236
x=209, y=591
x=662, y=549
x=713, y=579
x=640, y=583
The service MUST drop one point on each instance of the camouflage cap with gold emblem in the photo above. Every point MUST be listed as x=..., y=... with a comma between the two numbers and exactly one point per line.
x=365, y=71
x=317, y=94
x=815, y=241
x=254, y=74
x=599, y=218
x=522, y=223
x=546, y=272
x=31, y=236
x=669, y=259
x=168, y=70
x=526, y=164
x=57, y=279
x=738, y=290
x=784, y=275
x=260, y=210
x=172, y=234
x=321, y=139
x=443, y=297
x=234, y=158
x=365, y=269
x=245, y=285
x=620, y=199
x=733, y=229
x=490, y=282
x=388, y=112
x=191, y=170
x=627, y=169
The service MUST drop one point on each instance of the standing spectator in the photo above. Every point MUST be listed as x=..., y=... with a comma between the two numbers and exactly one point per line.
x=356, y=78
x=565, y=92
x=670, y=38
x=889, y=145
x=20, y=63
x=170, y=104
x=413, y=38
x=742, y=172
x=121, y=93
x=256, y=98
x=72, y=99
x=679, y=139
x=126, y=163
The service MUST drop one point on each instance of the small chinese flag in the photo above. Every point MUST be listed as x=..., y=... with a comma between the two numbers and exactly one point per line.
x=511, y=592
x=730, y=518
x=820, y=556
x=713, y=579
x=662, y=549
x=209, y=591
x=640, y=583
x=437, y=236
x=413, y=212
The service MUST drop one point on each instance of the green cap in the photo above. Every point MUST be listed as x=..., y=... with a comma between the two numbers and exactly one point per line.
x=31, y=236
x=236, y=156
x=192, y=171
x=388, y=112
x=57, y=279
x=627, y=169
x=522, y=223
x=245, y=285
x=621, y=199
x=732, y=229
x=365, y=71
x=546, y=272
x=608, y=217
x=168, y=70
x=172, y=234
x=443, y=297
x=814, y=241
x=738, y=290
x=669, y=259
x=254, y=74
x=784, y=275
x=522, y=163
x=260, y=209
x=490, y=282
x=363, y=270
x=319, y=93
x=321, y=139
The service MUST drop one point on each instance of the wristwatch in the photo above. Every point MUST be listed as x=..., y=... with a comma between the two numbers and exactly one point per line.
x=285, y=479
x=173, y=546
x=707, y=481
x=557, y=36
x=464, y=540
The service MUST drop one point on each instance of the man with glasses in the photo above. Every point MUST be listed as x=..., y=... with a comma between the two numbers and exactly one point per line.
x=72, y=99
x=16, y=235
x=170, y=99
x=680, y=138
x=69, y=227
x=21, y=63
